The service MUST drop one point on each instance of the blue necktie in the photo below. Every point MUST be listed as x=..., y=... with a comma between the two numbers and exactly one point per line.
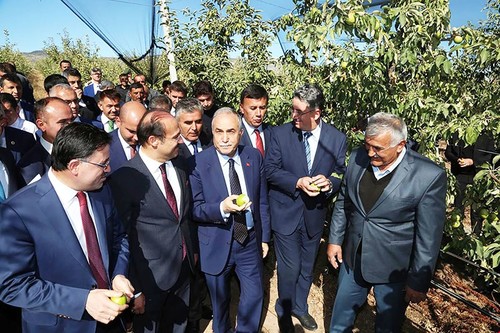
x=307, y=148
x=2, y=193
x=195, y=147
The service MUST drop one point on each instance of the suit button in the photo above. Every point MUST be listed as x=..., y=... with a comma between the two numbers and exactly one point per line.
x=94, y=286
x=359, y=235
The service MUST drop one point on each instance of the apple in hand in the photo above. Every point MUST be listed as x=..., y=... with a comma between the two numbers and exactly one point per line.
x=120, y=300
x=242, y=200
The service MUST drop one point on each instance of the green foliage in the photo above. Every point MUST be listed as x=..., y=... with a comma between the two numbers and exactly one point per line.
x=8, y=53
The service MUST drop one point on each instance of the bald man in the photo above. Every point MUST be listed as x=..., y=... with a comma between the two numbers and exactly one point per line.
x=124, y=139
x=52, y=114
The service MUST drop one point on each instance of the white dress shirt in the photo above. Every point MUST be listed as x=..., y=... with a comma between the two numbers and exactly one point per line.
x=253, y=136
x=314, y=140
x=25, y=125
x=190, y=145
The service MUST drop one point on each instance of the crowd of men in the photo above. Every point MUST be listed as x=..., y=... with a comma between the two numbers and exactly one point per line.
x=109, y=190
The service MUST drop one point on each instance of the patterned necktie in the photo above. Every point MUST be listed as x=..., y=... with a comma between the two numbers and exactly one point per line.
x=93, y=251
x=111, y=126
x=132, y=151
x=195, y=147
x=172, y=202
x=258, y=142
x=307, y=148
x=240, y=232
x=2, y=193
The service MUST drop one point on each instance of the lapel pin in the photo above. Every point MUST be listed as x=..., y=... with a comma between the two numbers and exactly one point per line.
x=248, y=164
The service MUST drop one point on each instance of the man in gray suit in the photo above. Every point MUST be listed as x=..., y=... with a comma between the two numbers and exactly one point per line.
x=386, y=227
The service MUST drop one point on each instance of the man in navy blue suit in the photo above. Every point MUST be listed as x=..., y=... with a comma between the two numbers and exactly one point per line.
x=253, y=107
x=17, y=141
x=231, y=236
x=124, y=142
x=62, y=252
x=109, y=104
x=52, y=114
x=304, y=161
x=92, y=89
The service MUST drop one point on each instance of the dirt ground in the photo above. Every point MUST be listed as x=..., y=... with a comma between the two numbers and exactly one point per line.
x=438, y=314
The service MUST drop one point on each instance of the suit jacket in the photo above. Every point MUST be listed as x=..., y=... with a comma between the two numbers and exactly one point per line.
x=246, y=141
x=15, y=179
x=89, y=90
x=29, y=112
x=18, y=142
x=186, y=153
x=35, y=162
x=209, y=190
x=286, y=163
x=44, y=270
x=91, y=110
x=401, y=234
x=155, y=234
x=116, y=153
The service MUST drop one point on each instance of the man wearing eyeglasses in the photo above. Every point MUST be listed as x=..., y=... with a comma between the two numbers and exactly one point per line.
x=51, y=114
x=386, y=227
x=304, y=162
x=64, y=250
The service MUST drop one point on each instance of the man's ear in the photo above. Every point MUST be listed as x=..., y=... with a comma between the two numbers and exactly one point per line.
x=74, y=165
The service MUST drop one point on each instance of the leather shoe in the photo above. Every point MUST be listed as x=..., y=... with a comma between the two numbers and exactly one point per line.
x=286, y=325
x=307, y=321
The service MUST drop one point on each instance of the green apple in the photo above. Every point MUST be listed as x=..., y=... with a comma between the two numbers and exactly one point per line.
x=242, y=200
x=458, y=39
x=351, y=18
x=420, y=29
x=120, y=300
x=455, y=219
x=493, y=217
x=316, y=187
x=344, y=64
x=483, y=212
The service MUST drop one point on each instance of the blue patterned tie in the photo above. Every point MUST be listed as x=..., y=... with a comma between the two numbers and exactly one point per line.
x=195, y=147
x=2, y=193
x=307, y=148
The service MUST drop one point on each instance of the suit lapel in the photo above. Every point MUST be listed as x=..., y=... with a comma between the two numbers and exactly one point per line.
x=56, y=216
x=362, y=161
x=100, y=223
x=297, y=148
x=182, y=179
x=248, y=171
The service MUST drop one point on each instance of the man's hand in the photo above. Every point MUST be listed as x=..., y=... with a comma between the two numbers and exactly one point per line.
x=306, y=184
x=79, y=93
x=229, y=205
x=322, y=182
x=265, y=249
x=465, y=162
x=334, y=254
x=101, y=308
x=122, y=284
x=139, y=304
x=414, y=296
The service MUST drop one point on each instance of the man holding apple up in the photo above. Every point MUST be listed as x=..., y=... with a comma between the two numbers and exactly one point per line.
x=233, y=230
x=63, y=246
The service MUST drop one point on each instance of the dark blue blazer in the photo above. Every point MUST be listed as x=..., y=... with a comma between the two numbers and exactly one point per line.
x=15, y=179
x=117, y=155
x=29, y=112
x=286, y=163
x=18, y=142
x=98, y=123
x=44, y=269
x=246, y=141
x=89, y=90
x=35, y=162
x=209, y=190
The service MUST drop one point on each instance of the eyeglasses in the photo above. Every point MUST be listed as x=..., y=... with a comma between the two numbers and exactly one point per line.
x=301, y=113
x=103, y=166
x=71, y=101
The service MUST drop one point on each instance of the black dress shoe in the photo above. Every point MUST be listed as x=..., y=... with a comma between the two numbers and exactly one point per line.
x=307, y=321
x=286, y=325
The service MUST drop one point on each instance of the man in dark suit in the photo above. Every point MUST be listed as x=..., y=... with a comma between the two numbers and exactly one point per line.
x=124, y=142
x=204, y=93
x=87, y=106
x=253, y=107
x=11, y=84
x=61, y=255
x=10, y=182
x=386, y=227
x=17, y=141
x=153, y=198
x=109, y=104
x=189, y=115
x=96, y=78
x=52, y=114
x=304, y=161
x=233, y=235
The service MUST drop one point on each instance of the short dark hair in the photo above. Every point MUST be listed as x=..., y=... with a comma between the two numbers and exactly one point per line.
x=254, y=91
x=135, y=85
x=5, y=97
x=159, y=103
x=166, y=84
x=12, y=77
x=77, y=140
x=52, y=80
x=312, y=95
x=71, y=72
x=64, y=61
x=112, y=94
x=151, y=126
x=7, y=67
x=203, y=88
x=178, y=86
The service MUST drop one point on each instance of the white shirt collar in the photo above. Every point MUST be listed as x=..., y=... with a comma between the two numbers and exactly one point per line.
x=315, y=132
x=250, y=129
x=224, y=159
x=63, y=191
x=45, y=144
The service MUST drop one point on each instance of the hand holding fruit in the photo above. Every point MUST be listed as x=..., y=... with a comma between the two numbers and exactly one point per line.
x=230, y=205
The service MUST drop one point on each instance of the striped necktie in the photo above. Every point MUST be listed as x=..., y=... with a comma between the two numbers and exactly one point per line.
x=307, y=149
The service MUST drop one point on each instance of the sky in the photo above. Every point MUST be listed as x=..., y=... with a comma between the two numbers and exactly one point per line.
x=30, y=23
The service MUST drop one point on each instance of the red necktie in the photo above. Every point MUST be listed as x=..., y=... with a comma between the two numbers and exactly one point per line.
x=94, y=254
x=258, y=142
x=172, y=202
x=132, y=151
